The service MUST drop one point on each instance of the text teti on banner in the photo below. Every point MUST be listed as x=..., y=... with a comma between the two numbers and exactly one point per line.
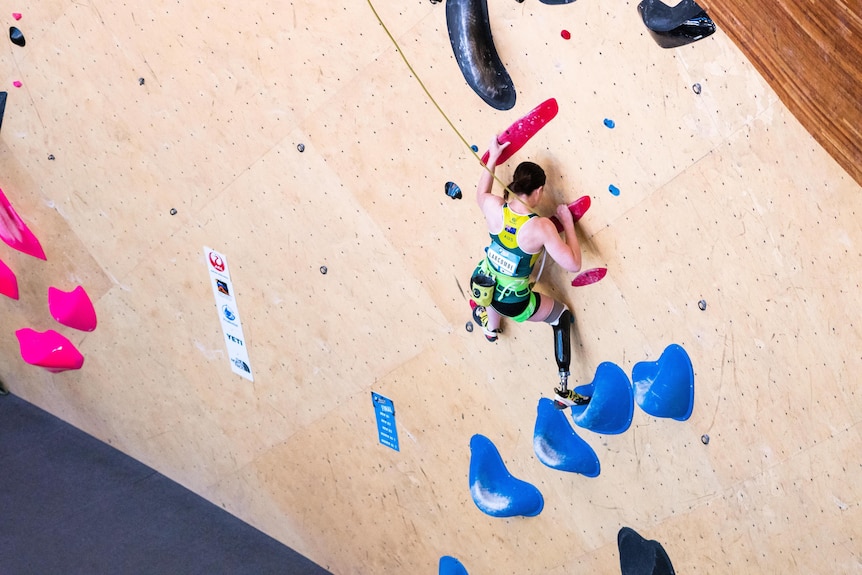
x=228, y=313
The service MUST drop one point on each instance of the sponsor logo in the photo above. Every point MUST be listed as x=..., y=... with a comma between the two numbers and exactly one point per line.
x=216, y=262
x=228, y=313
x=240, y=364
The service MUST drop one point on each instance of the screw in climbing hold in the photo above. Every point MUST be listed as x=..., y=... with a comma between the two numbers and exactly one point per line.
x=702, y=304
x=609, y=123
x=614, y=190
x=469, y=326
x=704, y=439
x=51, y=157
x=300, y=147
x=453, y=191
x=566, y=35
x=323, y=270
x=173, y=211
x=141, y=81
x=696, y=88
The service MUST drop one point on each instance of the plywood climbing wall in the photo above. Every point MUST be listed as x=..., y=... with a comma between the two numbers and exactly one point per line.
x=141, y=134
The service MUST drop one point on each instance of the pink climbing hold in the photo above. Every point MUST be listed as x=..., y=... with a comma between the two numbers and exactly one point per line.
x=48, y=350
x=588, y=277
x=73, y=309
x=17, y=83
x=8, y=281
x=15, y=232
x=16, y=15
x=566, y=35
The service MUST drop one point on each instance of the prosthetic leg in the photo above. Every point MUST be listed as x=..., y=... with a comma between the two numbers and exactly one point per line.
x=564, y=397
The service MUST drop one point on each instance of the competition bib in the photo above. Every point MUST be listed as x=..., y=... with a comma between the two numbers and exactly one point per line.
x=503, y=260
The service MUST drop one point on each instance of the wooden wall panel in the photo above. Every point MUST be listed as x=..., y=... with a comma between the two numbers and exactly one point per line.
x=724, y=197
x=810, y=54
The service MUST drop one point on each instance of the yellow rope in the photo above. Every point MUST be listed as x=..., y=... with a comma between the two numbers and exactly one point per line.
x=430, y=97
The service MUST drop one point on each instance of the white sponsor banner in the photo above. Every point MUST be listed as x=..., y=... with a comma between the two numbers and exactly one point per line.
x=228, y=313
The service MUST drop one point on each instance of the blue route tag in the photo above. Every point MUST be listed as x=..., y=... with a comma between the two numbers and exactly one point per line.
x=384, y=410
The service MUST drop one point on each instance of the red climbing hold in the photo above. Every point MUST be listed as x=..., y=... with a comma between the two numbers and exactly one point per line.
x=588, y=277
x=566, y=35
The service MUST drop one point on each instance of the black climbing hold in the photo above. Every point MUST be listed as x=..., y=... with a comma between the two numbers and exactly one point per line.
x=674, y=26
x=50, y=156
x=323, y=270
x=453, y=191
x=435, y=1
x=639, y=556
x=16, y=36
x=141, y=81
x=2, y=106
x=704, y=439
x=470, y=36
x=702, y=304
x=300, y=147
x=3, y=390
x=469, y=324
x=696, y=88
x=173, y=211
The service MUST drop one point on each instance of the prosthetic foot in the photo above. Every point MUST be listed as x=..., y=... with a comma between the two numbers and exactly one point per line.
x=563, y=396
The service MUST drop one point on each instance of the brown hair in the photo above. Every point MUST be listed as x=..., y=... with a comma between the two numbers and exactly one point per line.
x=527, y=177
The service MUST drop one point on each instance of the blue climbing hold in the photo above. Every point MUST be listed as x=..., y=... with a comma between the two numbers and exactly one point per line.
x=475, y=148
x=494, y=490
x=558, y=446
x=609, y=123
x=614, y=190
x=451, y=566
x=611, y=405
x=665, y=388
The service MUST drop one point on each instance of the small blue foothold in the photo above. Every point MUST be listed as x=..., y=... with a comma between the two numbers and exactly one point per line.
x=614, y=190
x=475, y=148
x=609, y=123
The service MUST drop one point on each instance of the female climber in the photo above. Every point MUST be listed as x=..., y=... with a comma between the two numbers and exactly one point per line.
x=518, y=236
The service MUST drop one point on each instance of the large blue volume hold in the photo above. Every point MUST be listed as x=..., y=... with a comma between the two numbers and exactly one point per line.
x=611, y=405
x=665, y=388
x=558, y=446
x=494, y=490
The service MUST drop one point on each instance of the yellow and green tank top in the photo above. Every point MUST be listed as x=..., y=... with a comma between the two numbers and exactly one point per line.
x=511, y=264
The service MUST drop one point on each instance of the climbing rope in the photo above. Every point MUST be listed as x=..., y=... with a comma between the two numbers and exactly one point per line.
x=430, y=97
